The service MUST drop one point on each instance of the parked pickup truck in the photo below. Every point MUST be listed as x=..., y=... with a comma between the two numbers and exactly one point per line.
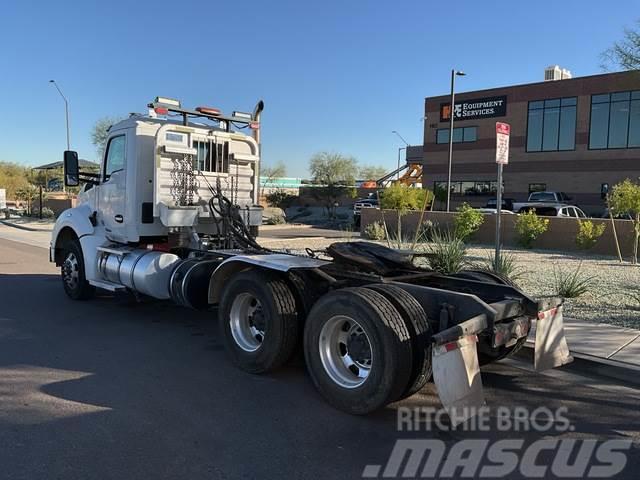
x=537, y=198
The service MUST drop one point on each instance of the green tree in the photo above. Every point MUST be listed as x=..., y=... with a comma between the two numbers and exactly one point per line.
x=100, y=133
x=13, y=177
x=625, y=199
x=625, y=53
x=403, y=198
x=334, y=175
x=370, y=172
x=268, y=174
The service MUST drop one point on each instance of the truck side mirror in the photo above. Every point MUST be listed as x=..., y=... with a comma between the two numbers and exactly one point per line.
x=71, y=170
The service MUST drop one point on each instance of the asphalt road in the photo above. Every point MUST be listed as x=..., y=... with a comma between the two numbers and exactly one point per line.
x=117, y=390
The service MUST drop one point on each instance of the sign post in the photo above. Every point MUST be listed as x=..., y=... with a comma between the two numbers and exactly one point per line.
x=502, y=158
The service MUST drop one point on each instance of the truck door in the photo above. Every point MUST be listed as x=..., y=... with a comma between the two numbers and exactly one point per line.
x=112, y=201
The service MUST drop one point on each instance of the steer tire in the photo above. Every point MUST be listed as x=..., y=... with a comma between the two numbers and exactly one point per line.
x=277, y=316
x=415, y=319
x=384, y=331
x=74, y=279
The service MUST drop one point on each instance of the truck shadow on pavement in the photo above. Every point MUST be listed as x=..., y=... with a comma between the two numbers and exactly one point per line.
x=145, y=390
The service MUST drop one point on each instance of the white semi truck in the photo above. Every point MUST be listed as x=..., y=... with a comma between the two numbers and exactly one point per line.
x=173, y=215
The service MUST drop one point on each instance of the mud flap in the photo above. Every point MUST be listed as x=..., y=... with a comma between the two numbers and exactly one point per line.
x=456, y=373
x=551, y=349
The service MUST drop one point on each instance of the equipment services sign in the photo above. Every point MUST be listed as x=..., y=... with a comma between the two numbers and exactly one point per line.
x=502, y=142
x=474, y=109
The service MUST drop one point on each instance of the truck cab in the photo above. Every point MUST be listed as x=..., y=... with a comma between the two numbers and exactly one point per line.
x=157, y=177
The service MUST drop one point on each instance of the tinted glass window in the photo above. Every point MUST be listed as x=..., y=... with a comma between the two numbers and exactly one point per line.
x=115, y=155
x=598, y=131
x=534, y=131
x=634, y=124
x=442, y=135
x=457, y=135
x=618, y=124
x=614, y=120
x=551, y=125
x=550, y=129
x=470, y=134
x=567, y=135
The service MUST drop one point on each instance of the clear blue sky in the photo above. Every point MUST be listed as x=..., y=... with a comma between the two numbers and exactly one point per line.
x=335, y=75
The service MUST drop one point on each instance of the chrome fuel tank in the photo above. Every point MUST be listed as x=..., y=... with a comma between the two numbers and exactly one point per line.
x=144, y=271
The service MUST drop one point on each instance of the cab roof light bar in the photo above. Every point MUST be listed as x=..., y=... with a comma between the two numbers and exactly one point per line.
x=163, y=108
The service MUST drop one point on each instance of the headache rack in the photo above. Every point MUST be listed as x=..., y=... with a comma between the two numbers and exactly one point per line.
x=241, y=120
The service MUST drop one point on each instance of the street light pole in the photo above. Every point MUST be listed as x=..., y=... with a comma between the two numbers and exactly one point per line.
x=66, y=116
x=66, y=110
x=451, y=115
x=399, y=150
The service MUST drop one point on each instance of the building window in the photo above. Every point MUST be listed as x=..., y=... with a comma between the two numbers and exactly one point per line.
x=460, y=134
x=537, y=187
x=615, y=120
x=551, y=125
x=469, y=187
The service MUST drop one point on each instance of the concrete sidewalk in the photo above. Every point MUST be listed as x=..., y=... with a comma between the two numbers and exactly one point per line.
x=600, y=342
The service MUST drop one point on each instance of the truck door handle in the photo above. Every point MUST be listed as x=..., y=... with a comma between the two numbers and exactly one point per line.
x=119, y=218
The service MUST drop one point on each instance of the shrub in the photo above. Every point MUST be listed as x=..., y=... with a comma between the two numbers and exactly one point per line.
x=572, y=284
x=375, y=231
x=529, y=227
x=506, y=268
x=280, y=198
x=47, y=213
x=467, y=221
x=447, y=253
x=589, y=233
x=275, y=220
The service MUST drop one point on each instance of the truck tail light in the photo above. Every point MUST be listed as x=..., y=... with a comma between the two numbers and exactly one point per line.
x=161, y=110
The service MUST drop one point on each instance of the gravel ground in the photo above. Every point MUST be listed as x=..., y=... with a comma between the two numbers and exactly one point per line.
x=614, y=296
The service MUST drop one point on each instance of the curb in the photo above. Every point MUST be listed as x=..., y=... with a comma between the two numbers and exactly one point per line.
x=591, y=365
x=23, y=227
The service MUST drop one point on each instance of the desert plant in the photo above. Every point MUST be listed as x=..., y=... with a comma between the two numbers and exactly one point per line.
x=467, y=221
x=446, y=253
x=529, y=227
x=506, y=267
x=588, y=234
x=375, y=231
x=276, y=220
x=572, y=284
x=280, y=198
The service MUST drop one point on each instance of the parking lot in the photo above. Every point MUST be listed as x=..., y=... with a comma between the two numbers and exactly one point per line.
x=116, y=389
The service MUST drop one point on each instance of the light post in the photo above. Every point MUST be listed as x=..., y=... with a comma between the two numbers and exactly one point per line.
x=454, y=73
x=66, y=115
x=399, y=150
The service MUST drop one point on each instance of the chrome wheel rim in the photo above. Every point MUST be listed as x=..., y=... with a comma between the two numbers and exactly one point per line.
x=71, y=271
x=345, y=351
x=247, y=322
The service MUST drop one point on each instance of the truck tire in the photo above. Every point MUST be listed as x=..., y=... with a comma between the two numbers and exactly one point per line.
x=357, y=349
x=258, y=321
x=415, y=319
x=486, y=353
x=72, y=272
